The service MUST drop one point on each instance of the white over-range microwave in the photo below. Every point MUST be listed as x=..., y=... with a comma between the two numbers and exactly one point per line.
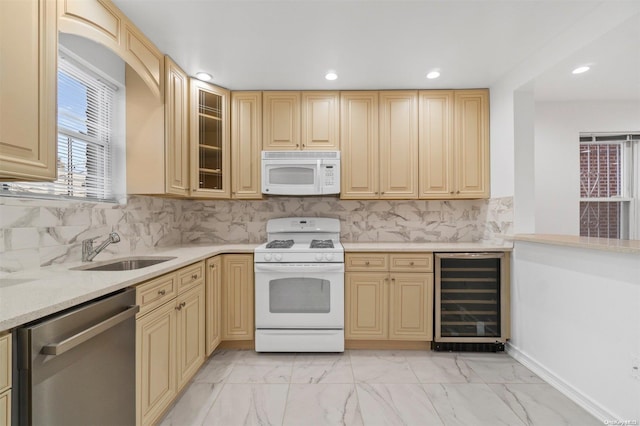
x=300, y=172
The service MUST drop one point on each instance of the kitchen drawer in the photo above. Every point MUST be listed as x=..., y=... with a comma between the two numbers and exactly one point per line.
x=366, y=262
x=5, y=362
x=190, y=276
x=156, y=292
x=411, y=262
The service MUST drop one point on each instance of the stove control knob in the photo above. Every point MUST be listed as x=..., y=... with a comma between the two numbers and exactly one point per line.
x=278, y=257
x=267, y=257
x=329, y=256
x=318, y=257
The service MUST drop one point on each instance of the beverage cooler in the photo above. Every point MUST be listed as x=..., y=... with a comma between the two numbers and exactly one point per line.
x=471, y=302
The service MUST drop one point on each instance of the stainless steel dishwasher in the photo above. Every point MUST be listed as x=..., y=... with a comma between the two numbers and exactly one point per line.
x=78, y=367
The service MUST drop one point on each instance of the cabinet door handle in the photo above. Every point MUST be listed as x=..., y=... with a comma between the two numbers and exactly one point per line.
x=297, y=145
x=457, y=192
x=393, y=279
x=411, y=263
x=367, y=263
x=180, y=306
x=194, y=276
x=212, y=266
x=162, y=292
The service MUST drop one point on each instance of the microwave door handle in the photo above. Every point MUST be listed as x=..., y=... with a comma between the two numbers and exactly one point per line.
x=319, y=184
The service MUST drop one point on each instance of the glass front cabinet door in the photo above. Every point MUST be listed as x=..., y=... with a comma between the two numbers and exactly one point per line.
x=210, y=152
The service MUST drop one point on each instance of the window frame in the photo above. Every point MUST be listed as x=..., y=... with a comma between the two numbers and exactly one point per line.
x=115, y=145
x=629, y=215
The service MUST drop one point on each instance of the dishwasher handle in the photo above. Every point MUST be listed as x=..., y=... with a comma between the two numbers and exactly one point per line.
x=79, y=338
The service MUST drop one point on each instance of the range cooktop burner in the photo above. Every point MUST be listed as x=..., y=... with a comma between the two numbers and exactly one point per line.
x=321, y=244
x=280, y=244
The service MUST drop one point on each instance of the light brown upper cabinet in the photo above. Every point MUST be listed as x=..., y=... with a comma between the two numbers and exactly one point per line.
x=280, y=121
x=436, y=144
x=379, y=165
x=102, y=22
x=454, y=144
x=320, y=121
x=158, y=134
x=300, y=120
x=29, y=48
x=176, y=129
x=471, y=136
x=210, y=153
x=359, y=153
x=398, y=144
x=246, y=145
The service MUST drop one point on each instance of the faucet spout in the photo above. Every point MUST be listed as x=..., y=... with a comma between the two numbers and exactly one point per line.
x=88, y=252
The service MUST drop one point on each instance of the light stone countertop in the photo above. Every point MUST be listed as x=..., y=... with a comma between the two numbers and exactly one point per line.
x=602, y=244
x=28, y=295
x=428, y=246
x=32, y=294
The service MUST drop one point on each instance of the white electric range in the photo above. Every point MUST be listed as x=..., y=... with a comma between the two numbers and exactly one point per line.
x=299, y=286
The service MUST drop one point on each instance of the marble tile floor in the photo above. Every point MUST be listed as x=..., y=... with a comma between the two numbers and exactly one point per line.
x=364, y=387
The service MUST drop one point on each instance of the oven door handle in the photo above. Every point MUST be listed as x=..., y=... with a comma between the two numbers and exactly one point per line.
x=299, y=267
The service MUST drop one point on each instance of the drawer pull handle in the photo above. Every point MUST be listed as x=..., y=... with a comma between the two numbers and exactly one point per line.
x=194, y=276
x=366, y=263
x=411, y=263
x=162, y=292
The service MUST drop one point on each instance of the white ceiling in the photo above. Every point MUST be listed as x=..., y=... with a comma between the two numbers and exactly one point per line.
x=375, y=44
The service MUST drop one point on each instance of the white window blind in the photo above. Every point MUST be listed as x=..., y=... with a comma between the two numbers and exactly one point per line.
x=85, y=121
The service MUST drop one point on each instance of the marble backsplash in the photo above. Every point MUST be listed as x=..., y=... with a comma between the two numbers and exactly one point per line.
x=36, y=232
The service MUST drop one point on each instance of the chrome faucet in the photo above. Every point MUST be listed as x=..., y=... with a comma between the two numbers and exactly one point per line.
x=88, y=252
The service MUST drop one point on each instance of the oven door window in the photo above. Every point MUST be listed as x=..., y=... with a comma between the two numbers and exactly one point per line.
x=299, y=295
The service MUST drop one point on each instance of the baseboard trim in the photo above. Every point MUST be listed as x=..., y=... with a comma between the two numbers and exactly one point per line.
x=387, y=344
x=237, y=344
x=594, y=408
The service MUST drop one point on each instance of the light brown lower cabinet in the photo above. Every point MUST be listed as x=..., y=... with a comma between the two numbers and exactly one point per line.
x=5, y=380
x=5, y=408
x=213, y=305
x=383, y=302
x=237, y=297
x=170, y=341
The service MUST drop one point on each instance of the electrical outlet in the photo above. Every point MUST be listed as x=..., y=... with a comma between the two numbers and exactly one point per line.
x=635, y=367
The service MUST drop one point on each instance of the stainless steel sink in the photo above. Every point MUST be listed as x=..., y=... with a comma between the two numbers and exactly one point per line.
x=124, y=264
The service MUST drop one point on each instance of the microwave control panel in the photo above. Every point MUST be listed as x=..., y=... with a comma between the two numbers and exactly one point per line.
x=329, y=176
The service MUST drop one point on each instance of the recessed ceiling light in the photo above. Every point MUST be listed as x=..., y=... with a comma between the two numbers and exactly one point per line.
x=203, y=76
x=433, y=74
x=331, y=75
x=580, y=70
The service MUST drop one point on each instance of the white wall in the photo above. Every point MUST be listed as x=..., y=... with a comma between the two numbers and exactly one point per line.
x=96, y=54
x=524, y=179
x=575, y=319
x=504, y=146
x=557, y=167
